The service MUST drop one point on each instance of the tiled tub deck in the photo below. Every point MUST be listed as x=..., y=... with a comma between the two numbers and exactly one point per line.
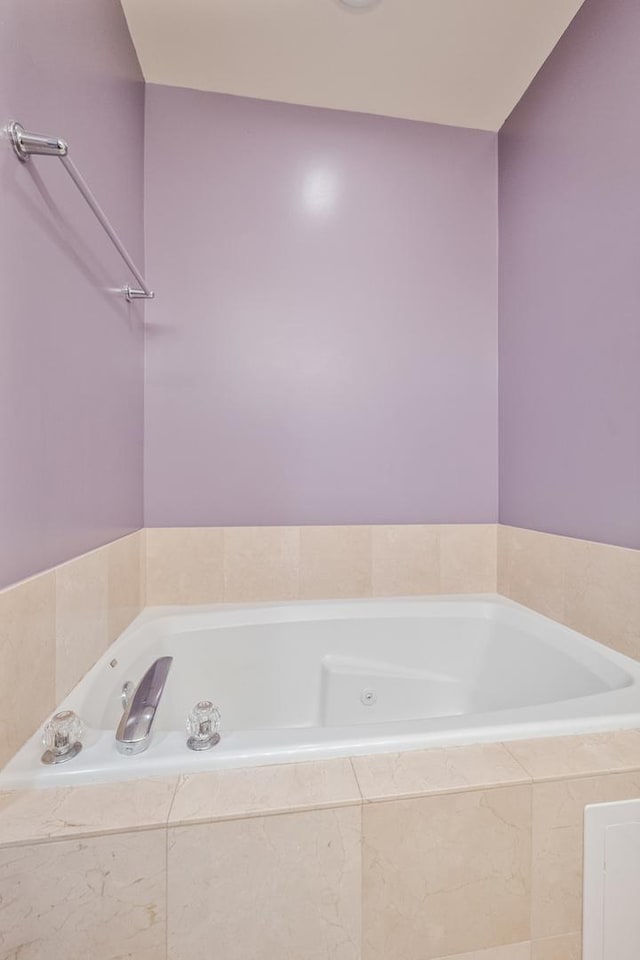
x=467, y=852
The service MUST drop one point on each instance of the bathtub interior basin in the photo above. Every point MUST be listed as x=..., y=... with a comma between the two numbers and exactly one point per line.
x=314, y=680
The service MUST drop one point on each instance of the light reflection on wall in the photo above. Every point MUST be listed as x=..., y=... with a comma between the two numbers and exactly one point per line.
x=320, y=190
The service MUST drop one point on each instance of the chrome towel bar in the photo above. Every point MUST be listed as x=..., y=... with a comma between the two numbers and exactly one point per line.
x=27, y=144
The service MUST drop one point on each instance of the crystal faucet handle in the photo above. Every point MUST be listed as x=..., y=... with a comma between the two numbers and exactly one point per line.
x=203, y=725
x=61, y=736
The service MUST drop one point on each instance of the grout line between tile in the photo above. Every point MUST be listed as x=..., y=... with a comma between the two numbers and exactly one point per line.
x=487, y=951
x=83, y=835
x=557, y=936
x=362, y=892
x=527, y=780
x=516, y=760
x=531, y=866
x=260, y=814
x=451, y=791
x=166, y=891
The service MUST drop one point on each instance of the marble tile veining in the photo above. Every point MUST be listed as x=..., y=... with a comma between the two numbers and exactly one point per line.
x=285, y=887
x=101, y=898
x=446, y=875
x=229, y=794
x=416, y=773
x=557, y=854
x=61, y=812
x=557, y=758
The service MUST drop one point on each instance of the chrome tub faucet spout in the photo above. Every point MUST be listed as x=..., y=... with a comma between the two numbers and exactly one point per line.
x=134, y=730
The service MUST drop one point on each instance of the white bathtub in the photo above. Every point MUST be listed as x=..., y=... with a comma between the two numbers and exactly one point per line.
x=302, y=681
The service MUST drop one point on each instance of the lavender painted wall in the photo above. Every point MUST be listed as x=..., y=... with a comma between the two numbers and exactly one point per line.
x=323, y=347
x=570, y=286
x=71, y=351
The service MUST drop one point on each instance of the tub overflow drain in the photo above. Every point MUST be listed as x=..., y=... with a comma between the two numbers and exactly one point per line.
x=368, y=697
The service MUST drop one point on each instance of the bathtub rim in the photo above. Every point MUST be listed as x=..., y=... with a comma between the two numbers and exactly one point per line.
x=22, y=772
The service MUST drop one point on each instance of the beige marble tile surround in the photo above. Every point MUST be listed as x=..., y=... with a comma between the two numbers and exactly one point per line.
x=96, y=837
x=53, y=628
x=592, y=587
x=249, y=564
x=336, y=860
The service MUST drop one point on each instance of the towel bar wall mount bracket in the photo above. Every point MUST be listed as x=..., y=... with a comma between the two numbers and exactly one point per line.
x=27, y=144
